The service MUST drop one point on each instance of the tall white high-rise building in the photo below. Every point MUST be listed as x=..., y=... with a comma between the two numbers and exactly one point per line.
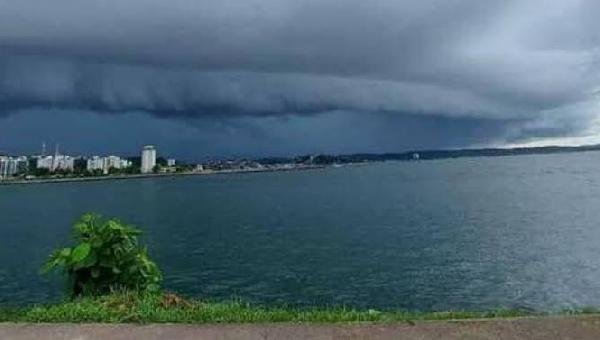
x=148, y=159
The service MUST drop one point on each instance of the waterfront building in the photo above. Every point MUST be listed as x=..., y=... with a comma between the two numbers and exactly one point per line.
x=148, y=159
x=44, y=162
x=10, y=166
x=95, y=163
x=56, y=162
x=22, y=164
x=106, y=163
x=118, y=162
x=171, y=162
x=63, y=162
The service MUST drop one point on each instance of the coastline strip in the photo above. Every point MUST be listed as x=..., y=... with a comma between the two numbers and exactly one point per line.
x=137, y=176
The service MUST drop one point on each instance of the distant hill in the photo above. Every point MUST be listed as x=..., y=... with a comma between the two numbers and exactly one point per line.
x=426, y=155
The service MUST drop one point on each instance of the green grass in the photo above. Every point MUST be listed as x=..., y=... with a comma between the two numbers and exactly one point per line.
x=160, y=308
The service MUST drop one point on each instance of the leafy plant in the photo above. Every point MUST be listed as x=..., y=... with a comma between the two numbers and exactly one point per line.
x=107, y=257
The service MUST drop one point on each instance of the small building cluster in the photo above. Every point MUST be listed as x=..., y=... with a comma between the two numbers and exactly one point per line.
x=55, y=163
x=60, y=165
x=104, y=164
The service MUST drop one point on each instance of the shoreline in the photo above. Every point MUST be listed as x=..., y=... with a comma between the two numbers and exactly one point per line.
x=118, y=307
x=153, y=175
x=283, y=169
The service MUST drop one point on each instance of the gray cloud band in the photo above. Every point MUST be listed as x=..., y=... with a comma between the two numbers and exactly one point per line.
x=27, y=82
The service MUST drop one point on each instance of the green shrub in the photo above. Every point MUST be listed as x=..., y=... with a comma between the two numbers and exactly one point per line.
x=107, y=257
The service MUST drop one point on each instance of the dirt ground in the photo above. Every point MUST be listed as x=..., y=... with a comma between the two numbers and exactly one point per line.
x=546, y=328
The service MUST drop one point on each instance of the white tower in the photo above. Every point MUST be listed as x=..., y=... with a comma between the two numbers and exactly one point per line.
x=148, y=159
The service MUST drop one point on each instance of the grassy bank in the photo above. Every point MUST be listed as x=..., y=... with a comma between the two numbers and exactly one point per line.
x=166, y=308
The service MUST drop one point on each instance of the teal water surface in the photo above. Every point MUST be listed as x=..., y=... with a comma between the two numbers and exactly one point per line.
x=476, y=233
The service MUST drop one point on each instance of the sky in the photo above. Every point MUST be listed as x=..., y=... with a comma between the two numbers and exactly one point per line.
x=230, y=78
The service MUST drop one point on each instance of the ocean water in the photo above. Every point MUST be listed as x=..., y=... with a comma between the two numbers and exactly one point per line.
x=471, y=233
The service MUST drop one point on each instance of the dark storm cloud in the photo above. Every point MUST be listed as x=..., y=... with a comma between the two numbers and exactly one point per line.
x=534, y=62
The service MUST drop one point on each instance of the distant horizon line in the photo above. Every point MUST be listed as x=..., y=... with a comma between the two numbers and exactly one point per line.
x=290, y=156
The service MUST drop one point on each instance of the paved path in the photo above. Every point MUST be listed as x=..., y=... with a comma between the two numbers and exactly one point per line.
x=566, y=327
